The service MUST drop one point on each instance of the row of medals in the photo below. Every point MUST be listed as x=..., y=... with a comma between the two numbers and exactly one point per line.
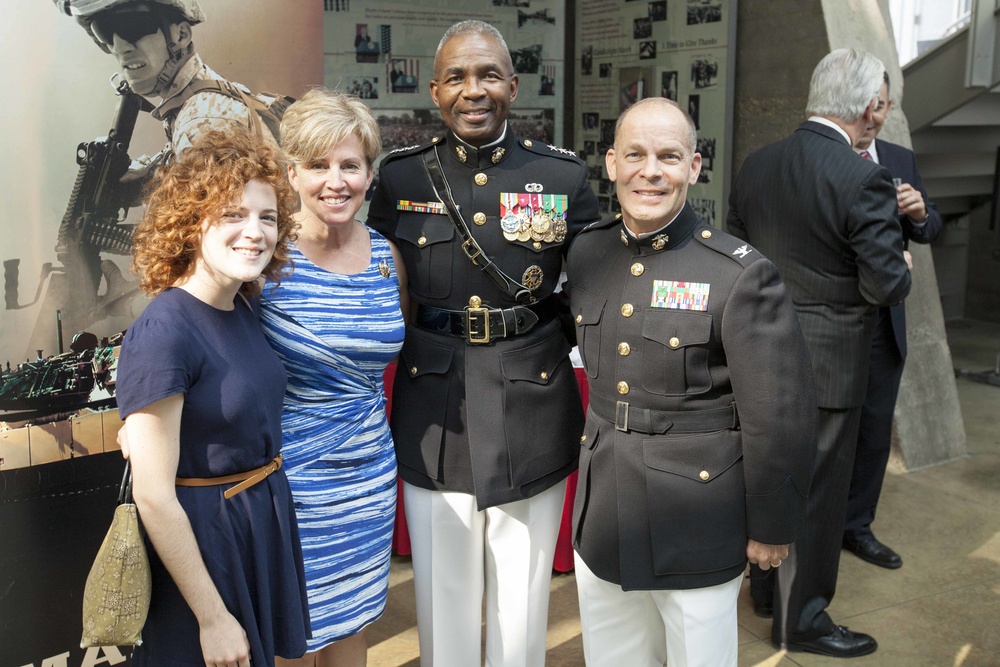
x=529, y=225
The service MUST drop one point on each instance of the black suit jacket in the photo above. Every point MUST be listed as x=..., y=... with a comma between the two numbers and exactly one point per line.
x=901, y=163
x=827, y=219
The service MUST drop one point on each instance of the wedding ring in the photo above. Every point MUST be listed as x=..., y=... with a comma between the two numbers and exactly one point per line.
x=776, y=564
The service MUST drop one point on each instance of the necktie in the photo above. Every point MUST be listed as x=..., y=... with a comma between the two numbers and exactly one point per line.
x=866, y=155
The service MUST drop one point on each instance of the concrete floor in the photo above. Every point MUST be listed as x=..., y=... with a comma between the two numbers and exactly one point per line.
x=942, y=608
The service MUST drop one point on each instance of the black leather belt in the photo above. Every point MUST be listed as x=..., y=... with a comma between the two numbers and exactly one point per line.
x=628, y=418
x=480, y=326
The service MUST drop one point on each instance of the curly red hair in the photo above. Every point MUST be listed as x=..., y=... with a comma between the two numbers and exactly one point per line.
x=208, y=178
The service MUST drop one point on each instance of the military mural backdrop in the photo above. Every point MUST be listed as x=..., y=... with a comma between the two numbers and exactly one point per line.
x=679, y=49
x=70, y=135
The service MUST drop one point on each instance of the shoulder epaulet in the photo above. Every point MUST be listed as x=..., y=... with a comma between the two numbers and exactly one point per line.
x=410, y=150
x=726, y=244
x=602, y=224
x=542, y=148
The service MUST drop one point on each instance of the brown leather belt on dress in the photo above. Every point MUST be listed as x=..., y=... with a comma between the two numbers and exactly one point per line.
x=628, y=418
x=479, y=326
x=245, y=479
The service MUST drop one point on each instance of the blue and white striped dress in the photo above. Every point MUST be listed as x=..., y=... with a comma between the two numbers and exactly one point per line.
x=336, y=334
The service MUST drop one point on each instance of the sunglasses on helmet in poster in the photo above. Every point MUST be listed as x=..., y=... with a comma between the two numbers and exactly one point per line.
x=130, y=26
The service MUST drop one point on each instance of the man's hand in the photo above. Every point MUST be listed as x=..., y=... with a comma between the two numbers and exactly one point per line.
x=909, y=259
x=911, y=202
x=766, y=556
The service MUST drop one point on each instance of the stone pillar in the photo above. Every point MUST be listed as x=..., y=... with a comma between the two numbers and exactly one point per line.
x=778, y=45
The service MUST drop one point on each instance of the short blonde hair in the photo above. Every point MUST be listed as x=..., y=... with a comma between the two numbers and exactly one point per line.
x=209, y=178
x=321, y=119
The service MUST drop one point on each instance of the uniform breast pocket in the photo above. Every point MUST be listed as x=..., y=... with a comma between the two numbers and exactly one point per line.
x=426, y=244
x=675, y=352
x=588, y=311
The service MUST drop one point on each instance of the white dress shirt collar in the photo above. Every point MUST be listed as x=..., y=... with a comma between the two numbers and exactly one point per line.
x=830, y=123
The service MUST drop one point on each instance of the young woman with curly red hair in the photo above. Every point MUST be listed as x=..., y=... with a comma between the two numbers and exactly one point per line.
x=200, y=391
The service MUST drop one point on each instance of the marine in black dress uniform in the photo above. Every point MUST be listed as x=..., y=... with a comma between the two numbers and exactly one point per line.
x=698, y=445
x=486, y=406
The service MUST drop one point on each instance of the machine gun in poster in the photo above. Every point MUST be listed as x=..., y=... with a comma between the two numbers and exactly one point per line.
x=93, y=224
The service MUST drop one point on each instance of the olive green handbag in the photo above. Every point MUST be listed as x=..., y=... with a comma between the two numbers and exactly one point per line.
x=116, y=597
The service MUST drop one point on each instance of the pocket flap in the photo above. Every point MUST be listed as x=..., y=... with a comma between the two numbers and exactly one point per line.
x=422, y=229
x=591, y=431
x=535, y=363
x=423, y=356
x=587, y=308
x=663, y=326
x=701, y=457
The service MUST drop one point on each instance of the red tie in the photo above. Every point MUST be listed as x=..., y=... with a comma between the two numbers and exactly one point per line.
x=866, y=155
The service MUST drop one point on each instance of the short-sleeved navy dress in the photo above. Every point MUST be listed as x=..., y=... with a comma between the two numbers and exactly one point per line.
x=233, y=385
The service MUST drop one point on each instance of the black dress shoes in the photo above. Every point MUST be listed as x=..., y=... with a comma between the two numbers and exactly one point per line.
x=873, y=551
x=841, y=643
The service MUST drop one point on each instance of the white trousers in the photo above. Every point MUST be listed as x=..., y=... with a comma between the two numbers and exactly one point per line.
x=460, y=553
x=689, y=628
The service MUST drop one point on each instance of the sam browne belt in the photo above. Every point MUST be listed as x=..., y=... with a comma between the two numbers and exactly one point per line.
x=643, y=420
x=480, y=325
x=245, y=479
x=471, y=248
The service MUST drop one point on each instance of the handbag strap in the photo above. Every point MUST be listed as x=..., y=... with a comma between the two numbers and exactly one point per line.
x=432, y=165
x=125, y=491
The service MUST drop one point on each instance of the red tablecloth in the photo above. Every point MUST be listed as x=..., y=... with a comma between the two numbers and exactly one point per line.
x=563, y=561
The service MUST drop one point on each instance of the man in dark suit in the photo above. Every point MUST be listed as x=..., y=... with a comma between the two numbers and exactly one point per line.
x=486, y=412
x=828, y=221
x=698, y=447
x=921, y=223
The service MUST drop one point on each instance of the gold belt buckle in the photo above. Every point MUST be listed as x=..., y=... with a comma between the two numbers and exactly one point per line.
x=621, y=416
x=477, y=325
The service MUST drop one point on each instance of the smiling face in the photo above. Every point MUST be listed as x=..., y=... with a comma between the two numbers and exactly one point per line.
x=652, y=163
x=879, y=114
x=474, y=85
x=236, y=246
x=332, y=187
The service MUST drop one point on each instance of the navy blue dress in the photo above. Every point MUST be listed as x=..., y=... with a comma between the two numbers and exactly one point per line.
x=233, y=385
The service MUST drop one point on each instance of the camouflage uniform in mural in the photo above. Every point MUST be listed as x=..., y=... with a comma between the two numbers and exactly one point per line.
x=152, y=42
x=193, y=97
x=200, y=111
